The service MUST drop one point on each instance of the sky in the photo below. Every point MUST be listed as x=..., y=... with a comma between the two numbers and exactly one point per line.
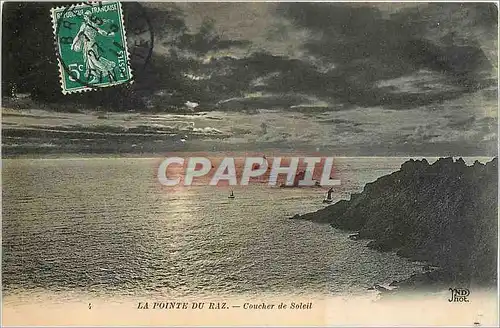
x=366, y=79
x=391, y=77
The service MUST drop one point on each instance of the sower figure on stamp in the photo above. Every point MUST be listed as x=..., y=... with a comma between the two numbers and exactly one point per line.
x=96, y=65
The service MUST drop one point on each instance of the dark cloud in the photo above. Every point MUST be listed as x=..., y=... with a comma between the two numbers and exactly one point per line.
x=352, y=56
x=366, y=47
x=206, y=40
x=338, y=121
x=342, y=55
x=316, y=75
x=463, y=123
x=350, y=34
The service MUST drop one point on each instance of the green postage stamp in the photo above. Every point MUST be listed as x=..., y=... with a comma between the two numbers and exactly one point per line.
x=91, y=46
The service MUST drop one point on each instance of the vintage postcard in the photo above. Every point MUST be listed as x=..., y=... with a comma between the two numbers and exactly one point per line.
x=249, y=164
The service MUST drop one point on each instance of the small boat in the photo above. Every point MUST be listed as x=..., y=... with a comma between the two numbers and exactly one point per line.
x=231, y=195
x=328, y=198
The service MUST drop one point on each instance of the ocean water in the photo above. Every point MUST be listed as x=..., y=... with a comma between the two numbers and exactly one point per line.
x=103, y=226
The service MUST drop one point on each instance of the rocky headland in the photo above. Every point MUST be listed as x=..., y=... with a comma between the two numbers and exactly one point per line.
x=444, y=214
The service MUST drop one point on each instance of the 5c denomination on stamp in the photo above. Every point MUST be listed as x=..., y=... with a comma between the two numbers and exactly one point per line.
x=91, y=46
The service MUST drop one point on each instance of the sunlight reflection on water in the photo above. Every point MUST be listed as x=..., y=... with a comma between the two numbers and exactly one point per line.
x=103, y=226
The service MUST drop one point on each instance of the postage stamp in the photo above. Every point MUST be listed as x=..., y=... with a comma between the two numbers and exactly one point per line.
x=91, y=46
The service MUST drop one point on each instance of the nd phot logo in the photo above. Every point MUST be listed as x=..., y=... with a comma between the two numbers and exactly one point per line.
x=459, y=295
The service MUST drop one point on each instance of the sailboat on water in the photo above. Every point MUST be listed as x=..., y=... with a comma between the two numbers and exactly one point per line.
x=328, y=198
x=231, y=195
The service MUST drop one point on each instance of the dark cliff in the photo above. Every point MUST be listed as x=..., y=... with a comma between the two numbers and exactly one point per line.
x=445, y=214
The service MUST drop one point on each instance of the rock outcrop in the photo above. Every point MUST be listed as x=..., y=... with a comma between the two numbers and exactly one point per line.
x=445, y=214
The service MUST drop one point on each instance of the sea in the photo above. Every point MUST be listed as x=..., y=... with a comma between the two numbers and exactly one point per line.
x=105, y=227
